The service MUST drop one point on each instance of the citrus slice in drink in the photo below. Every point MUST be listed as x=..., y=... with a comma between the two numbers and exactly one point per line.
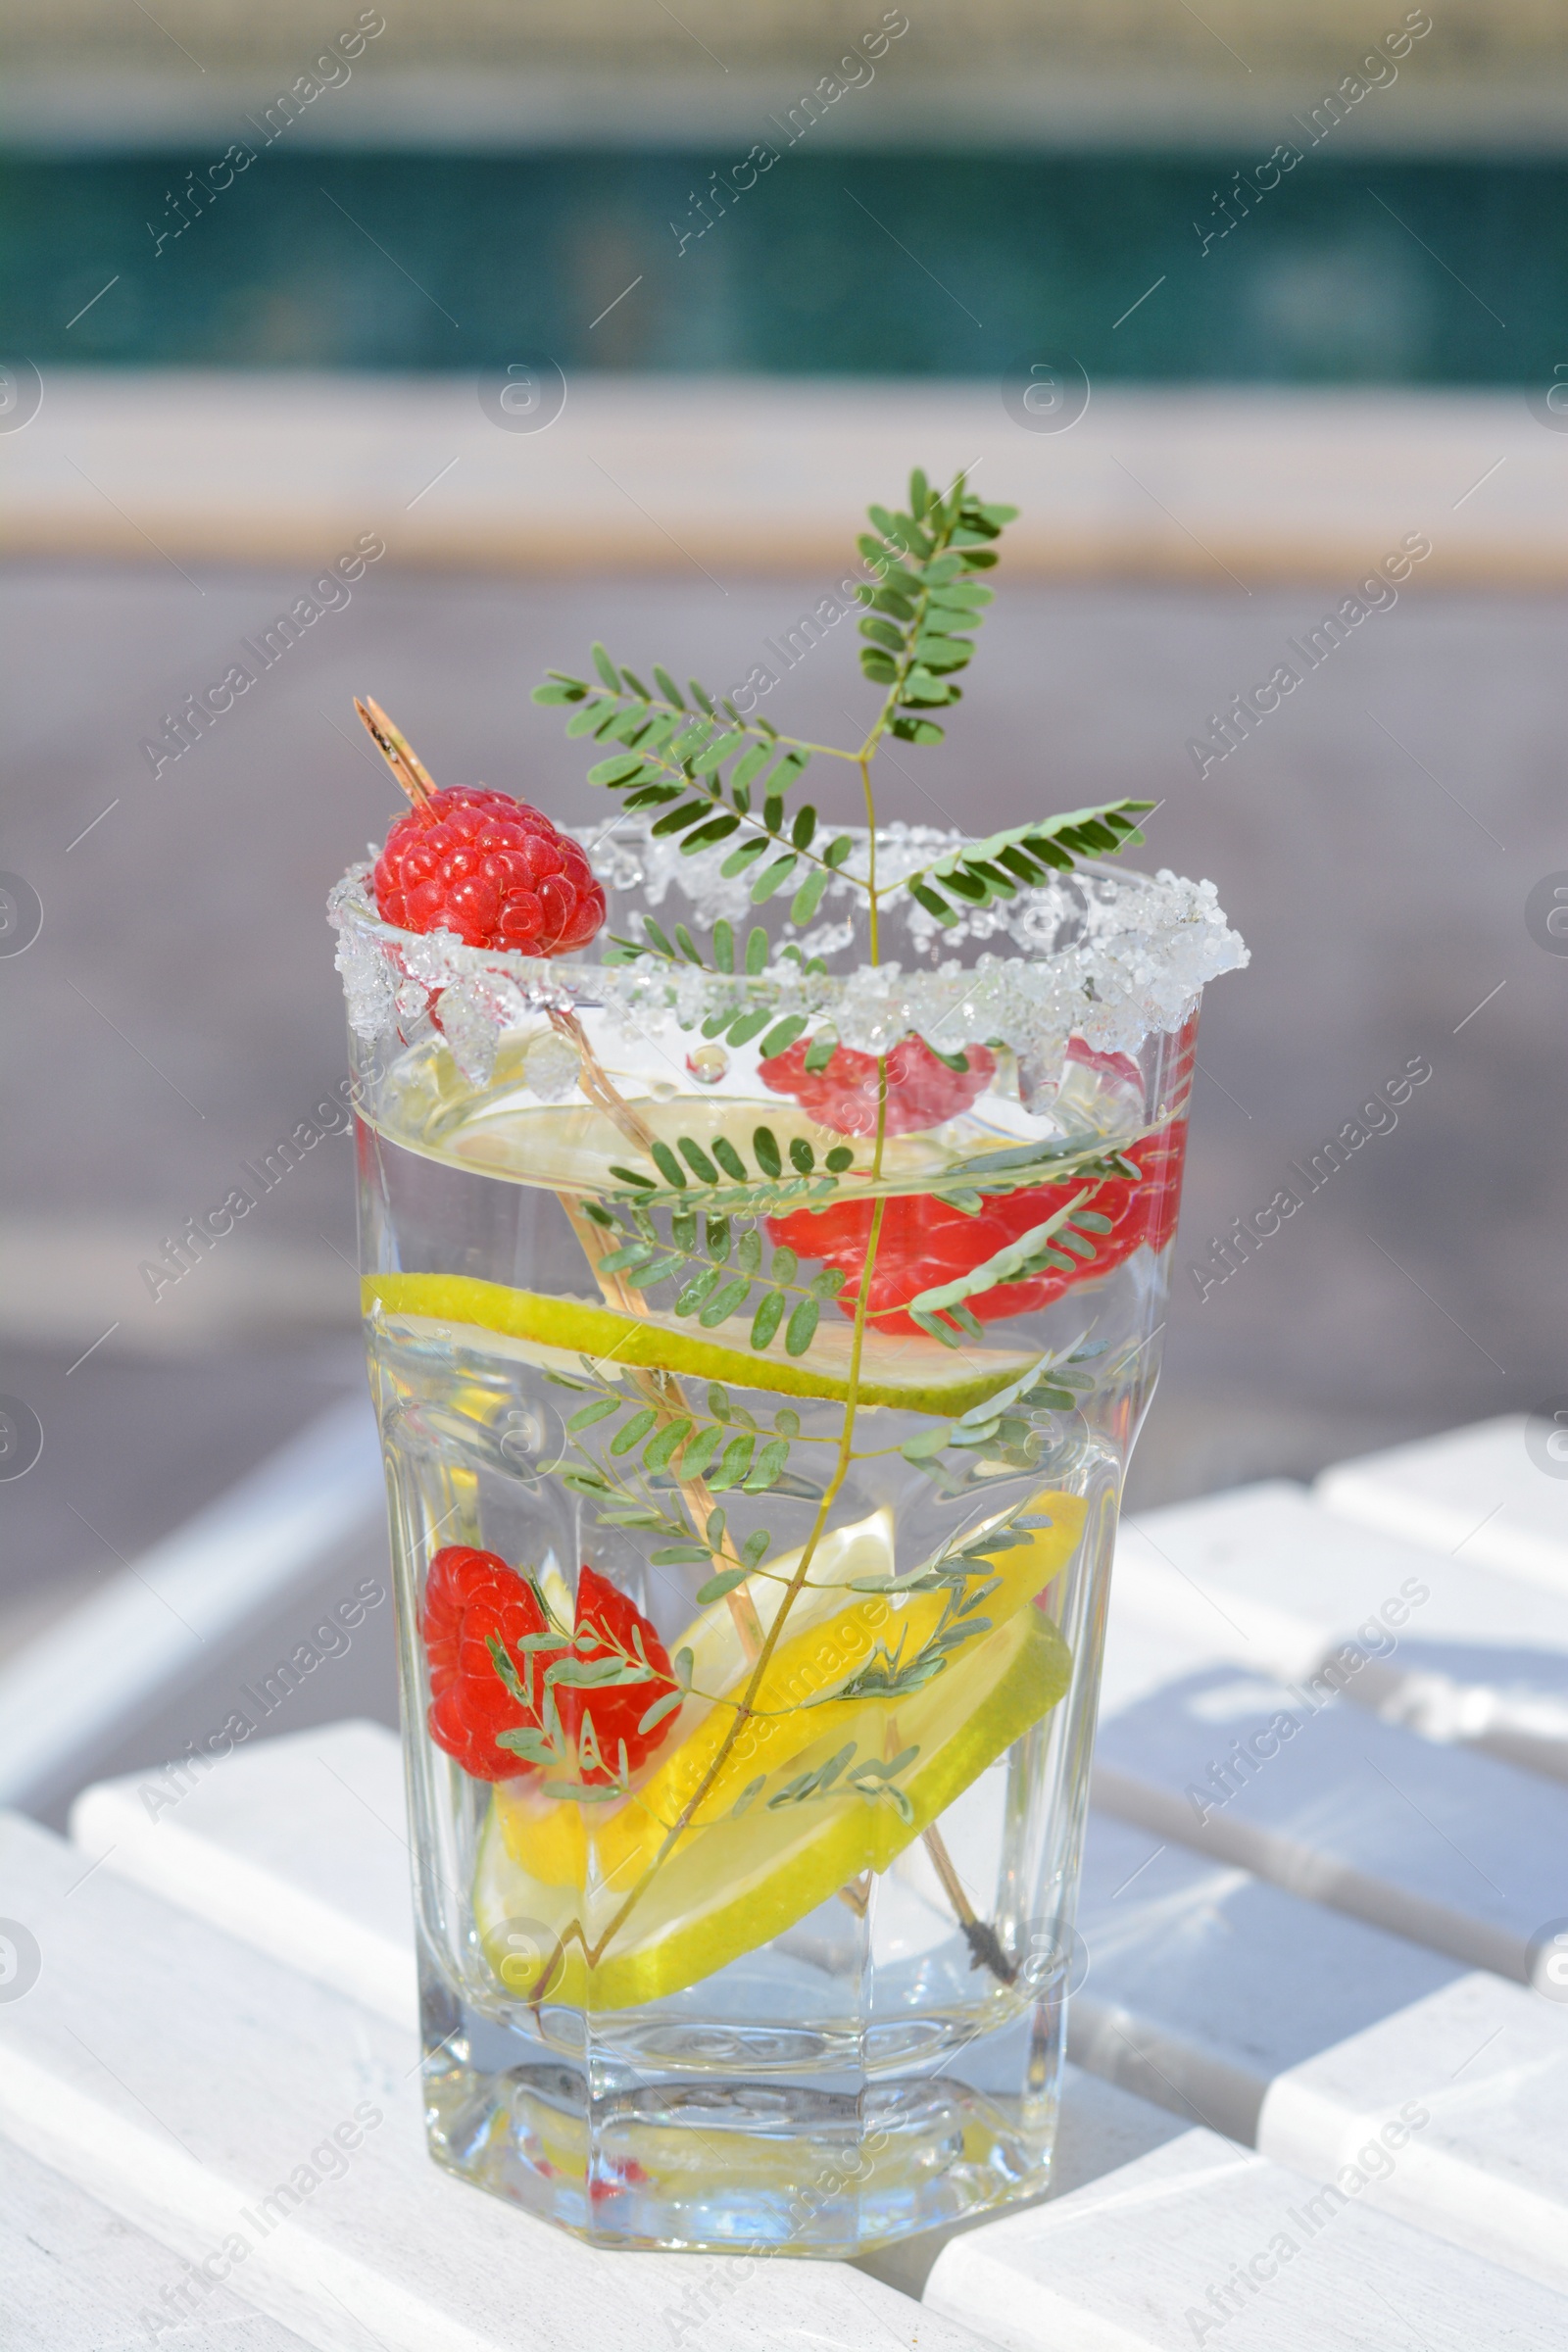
x=555, y=1332
x=870, y=1714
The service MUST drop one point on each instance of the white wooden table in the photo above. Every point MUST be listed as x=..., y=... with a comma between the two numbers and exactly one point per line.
x=1327, y=2093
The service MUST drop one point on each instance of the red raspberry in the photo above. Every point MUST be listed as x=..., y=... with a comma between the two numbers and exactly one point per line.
x=924, y=1240
x=922, y=1091
x=469, y=1597
x=618, y=1628
x=472, y=1596
x=490, y=868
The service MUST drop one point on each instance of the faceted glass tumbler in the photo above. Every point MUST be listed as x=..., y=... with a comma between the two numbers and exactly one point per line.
x=755, y=1435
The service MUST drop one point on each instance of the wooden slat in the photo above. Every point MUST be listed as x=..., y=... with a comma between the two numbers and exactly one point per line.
x=180, y=2077
x=74, y=2277
x=1204, y=1983
x=298, y=1846
x=1454, y=1850
x=1205, y=2243
x=1489, y=2063
x=1102, y=2128
x=1453, y=1649
x=1477, y=1493
x=175, y=1613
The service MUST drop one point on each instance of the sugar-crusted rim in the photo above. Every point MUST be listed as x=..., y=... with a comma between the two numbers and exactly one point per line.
x=1108, y=954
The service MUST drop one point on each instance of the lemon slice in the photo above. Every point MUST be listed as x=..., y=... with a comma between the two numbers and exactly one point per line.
x=721, y=1851
x=743, y=1880
x=911, y=1375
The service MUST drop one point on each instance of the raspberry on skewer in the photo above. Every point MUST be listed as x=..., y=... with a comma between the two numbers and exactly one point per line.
x=477, y=863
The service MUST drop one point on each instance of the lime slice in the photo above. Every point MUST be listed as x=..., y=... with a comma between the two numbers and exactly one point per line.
x=911, y=1375
x=803, y=1799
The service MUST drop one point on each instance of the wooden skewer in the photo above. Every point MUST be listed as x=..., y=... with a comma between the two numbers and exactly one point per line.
x=398, y=753
x=662, y=1390
x=985, y=1945
x=593, y=1080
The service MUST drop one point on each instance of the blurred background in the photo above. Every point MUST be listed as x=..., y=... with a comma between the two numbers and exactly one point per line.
x=611, y=319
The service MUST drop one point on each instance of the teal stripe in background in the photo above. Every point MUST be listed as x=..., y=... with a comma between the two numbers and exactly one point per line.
x=1354, y=272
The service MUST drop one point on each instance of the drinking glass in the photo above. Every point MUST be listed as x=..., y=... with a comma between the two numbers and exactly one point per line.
x=755, y=1432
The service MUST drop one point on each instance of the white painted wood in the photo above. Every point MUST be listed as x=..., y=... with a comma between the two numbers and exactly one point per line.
x=173, y=1613
x=73, y=2276
x=1473, y=1492
x=180, y=2077
x=1100, y=2129
x=1487, y=2063
x=1103, y=2126
x=1452, y=1848
x=1453, y=1649
x=1205, y=1983
x=1147, y=1655
x=1205, y=2243
x=298, y=1846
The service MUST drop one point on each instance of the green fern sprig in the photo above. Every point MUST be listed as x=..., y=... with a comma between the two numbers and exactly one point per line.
x=924, y=608
x=719, y=1273
x=716, y=775
x=1008, y=1425
x=717, y=1440
x=717, y=1183
x=1023, y=857
x=1063, y=1244
x=673, y=760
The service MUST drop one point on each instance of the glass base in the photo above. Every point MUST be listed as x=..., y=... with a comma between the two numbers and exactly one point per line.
x=707, y=2135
